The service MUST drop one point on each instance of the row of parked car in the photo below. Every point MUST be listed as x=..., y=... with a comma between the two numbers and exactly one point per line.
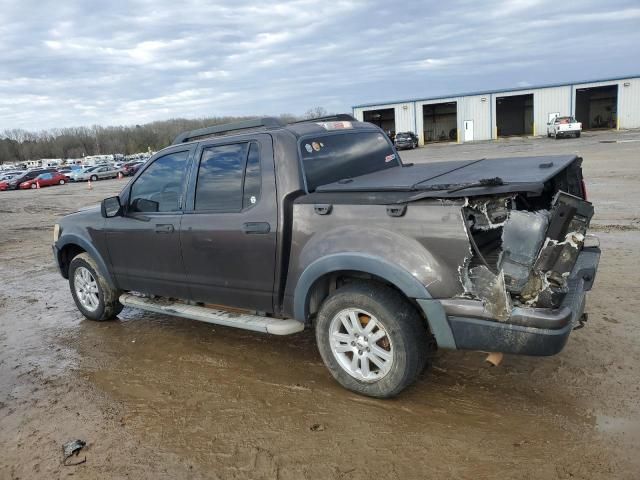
x=46, y=177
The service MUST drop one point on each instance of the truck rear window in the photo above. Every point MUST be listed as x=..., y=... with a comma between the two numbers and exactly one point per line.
x=329, y=158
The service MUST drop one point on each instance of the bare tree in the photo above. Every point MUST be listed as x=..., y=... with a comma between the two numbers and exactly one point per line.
x=19, y=145
x=316, y=112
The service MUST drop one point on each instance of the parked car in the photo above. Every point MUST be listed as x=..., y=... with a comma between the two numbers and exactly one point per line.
x=319, y=224
x=45, y=180
x=66, y=172
x=130, y=168
x=406, y=140
x=563, y=127
x=99, y=172
x=8, y=175
x=14, y=183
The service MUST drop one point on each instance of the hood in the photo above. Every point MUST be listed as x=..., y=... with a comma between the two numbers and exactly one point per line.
x=460, y=178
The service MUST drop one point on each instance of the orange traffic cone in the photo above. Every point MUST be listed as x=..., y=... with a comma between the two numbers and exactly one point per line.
x=89, y=186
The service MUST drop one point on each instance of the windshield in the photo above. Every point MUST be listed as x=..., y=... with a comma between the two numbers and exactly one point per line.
x=329, y=158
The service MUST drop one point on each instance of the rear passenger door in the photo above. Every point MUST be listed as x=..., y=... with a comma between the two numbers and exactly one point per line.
x=228, y=231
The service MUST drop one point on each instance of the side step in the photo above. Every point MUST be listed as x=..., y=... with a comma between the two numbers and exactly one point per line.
x=274, y=326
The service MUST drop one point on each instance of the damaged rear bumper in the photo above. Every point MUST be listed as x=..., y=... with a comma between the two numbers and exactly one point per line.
x=465, y=324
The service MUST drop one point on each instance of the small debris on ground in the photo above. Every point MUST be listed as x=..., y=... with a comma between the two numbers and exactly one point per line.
x=72, y=448
x=317, y=427
x=494, y=358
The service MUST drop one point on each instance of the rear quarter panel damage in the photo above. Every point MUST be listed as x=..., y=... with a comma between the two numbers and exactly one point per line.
x=428, y=241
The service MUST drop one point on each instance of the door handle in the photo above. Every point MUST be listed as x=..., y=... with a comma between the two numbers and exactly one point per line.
x=255, y=228
x=164, y=228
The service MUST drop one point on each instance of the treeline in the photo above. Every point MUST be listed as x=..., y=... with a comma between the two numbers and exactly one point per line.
x=21, y=145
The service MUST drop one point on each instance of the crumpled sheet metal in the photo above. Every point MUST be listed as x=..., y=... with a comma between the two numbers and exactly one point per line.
x=490, y=288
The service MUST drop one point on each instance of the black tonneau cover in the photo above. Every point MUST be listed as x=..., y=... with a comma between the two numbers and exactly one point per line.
x=444, y=179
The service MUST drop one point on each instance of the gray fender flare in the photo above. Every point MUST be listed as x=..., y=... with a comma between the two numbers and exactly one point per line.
x=74, y=239
x=393, y=274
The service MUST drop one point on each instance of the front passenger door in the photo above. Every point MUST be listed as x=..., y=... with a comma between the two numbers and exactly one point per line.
x=144, y=244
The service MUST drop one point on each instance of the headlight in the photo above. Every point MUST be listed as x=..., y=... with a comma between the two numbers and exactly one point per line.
x=56, y=232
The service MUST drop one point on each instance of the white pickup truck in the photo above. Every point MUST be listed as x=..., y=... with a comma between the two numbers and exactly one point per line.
x=563, y=127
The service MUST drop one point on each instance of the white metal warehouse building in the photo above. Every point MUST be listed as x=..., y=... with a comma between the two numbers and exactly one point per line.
x=601, y=104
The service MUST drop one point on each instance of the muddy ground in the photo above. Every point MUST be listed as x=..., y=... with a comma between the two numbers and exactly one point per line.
x=161, y=397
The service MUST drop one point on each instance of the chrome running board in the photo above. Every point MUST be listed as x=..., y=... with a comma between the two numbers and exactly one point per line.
x=256, y=323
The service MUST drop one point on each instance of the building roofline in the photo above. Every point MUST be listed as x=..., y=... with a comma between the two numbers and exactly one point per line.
x=490, y=92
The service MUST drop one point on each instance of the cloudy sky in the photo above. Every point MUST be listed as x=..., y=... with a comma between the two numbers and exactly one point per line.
x=69, y=62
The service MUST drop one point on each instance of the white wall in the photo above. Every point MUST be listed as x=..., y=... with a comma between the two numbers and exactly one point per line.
x=476, y=108
x=629, y=103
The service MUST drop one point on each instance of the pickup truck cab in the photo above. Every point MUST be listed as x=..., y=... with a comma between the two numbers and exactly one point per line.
x=563, y=127
x=319, y=224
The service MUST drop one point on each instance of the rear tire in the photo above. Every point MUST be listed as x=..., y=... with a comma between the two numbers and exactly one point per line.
x=33, y=185
x=61, y=182
x=378, y=361
x=93, y=295
x=94, y=178
x=577, y=134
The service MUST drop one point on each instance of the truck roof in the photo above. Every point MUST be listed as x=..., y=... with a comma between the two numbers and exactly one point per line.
x=267, y=124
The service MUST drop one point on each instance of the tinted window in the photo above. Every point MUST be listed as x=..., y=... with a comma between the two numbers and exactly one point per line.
x=327, y=159
x=252, y=177
x=160, y=187
x=219, y=184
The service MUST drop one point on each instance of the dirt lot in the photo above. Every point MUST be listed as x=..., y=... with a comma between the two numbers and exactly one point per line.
x=160, y=397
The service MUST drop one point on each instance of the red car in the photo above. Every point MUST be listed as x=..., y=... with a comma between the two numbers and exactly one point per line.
x=45, y=180
x=130, y=169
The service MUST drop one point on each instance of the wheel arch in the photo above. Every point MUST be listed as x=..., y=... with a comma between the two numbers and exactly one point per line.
x=315, y=282
x=71, y=245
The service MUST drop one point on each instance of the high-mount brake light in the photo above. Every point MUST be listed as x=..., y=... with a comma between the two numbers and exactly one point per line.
x=344, y=125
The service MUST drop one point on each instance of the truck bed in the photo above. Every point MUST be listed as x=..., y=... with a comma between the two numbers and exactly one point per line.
x=444, y=179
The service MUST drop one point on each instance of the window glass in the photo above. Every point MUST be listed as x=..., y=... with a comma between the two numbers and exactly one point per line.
x=160, y=187
x=329, y=158
x=219, y=184
x=252, y=178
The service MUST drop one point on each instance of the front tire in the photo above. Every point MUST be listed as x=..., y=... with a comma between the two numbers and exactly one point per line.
x=372, y=340
x=577, y=134
x=94, y=178
x=61, y=182
x=93, y=295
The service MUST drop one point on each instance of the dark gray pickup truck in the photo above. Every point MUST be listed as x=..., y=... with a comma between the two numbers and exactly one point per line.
x=274, y=228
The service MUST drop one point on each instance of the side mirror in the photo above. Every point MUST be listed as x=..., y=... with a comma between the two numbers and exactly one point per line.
x=111, y=207
x=145, y=206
